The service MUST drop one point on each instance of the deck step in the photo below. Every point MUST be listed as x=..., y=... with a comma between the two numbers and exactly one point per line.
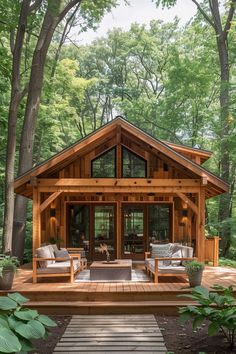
x=112, y=307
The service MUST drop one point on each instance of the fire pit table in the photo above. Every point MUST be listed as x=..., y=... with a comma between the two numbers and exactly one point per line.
x=120, y=270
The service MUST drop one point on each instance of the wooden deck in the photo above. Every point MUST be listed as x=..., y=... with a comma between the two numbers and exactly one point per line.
x=61, y=297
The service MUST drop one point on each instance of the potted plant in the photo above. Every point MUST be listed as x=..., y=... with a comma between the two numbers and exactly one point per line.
x=194, y=270
x=8, y=267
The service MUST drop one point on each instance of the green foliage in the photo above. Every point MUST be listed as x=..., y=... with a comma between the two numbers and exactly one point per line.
x=227, y=262
x=216, y=307
x=193, y=267
x=8, y=262
x=19, y=325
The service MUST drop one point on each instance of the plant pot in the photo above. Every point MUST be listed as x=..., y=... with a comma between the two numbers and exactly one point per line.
x=195, y=278
x=6, y=278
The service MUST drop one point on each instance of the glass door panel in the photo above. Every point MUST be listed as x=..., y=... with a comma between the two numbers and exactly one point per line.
x=79, y=222
x=159, y=223
x=133, y=232
x=104, y=230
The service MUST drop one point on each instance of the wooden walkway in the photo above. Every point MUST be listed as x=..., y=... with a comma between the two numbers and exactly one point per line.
x=112, y=334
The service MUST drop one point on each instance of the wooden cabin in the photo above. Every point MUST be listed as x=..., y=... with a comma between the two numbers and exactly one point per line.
x=122, y=187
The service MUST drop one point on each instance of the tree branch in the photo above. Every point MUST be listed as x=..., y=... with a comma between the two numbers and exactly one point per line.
x=35, y=5
x=229, y=18
x=67, y=8
x=207, y=18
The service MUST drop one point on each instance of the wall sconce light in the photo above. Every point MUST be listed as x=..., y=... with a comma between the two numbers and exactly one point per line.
x=185, y=212
x=52, y=212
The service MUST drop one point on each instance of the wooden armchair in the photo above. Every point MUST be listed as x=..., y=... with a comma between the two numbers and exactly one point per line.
x=46, y=265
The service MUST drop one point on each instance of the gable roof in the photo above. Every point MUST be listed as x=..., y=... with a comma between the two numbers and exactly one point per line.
x=169, y=149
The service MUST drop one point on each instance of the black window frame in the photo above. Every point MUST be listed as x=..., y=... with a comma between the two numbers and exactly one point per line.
x=122, y=162
x=99, y=156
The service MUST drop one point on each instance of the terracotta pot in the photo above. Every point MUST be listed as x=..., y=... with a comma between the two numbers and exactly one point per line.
x=6, y=279
x=195, y=278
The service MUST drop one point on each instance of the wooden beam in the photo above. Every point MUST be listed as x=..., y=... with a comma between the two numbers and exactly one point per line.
x=118, y=189
x=49, y=200
x=188, y=201
x=117, y=182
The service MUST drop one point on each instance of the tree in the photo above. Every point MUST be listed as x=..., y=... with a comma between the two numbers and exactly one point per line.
x=221, y=24
x=54, y=11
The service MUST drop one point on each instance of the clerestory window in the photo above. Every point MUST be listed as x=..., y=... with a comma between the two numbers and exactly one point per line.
x=133, y=166
x=104, y=166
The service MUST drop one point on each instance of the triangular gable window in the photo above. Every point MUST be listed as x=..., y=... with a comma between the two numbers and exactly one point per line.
x=133, y=166
x=104, y=166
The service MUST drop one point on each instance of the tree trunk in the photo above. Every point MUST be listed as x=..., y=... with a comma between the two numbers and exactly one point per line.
x=224, y=205
x=16, y=96
x=51, y=19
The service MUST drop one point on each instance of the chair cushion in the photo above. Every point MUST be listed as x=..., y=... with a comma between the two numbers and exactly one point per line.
x=45, y=252
x=161, y=251
x=60, y=267
x=63, y=253
x=177, y=254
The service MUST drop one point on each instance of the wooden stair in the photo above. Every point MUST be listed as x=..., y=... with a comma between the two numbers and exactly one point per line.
x=107, y=307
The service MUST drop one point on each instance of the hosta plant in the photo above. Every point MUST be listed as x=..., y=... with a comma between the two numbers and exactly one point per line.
x=19, y=325
x=216, y=307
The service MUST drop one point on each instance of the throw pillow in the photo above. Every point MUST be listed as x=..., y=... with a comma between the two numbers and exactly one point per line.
x=44, y=252
x=177, y=254
x=162, y=251
x=62, y=254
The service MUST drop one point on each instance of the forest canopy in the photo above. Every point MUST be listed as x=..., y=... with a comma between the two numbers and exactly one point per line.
x=163, y=77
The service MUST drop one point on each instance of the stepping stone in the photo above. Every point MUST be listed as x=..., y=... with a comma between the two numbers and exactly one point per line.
x=112, y=334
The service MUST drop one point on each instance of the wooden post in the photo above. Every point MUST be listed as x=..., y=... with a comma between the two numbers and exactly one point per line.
x=200, y=225
x=36, y=220
x=118, y=229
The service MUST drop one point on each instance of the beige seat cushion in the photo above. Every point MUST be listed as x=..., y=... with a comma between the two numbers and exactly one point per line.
x=60, y=267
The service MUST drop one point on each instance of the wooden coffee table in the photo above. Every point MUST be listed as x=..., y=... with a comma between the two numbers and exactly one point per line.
x=119, y=270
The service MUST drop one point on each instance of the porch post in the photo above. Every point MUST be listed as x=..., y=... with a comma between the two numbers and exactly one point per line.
x=200, y=234
x=118, y=229
x=36, y=219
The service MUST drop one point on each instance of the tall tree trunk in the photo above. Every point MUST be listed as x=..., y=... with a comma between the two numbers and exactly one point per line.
x=224, y=205
x=51, y=19
x=16, y=96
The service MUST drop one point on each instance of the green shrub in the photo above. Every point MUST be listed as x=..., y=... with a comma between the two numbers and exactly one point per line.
x=19, y=325
x=193, y=267
x=8, y=262
x=218, y=308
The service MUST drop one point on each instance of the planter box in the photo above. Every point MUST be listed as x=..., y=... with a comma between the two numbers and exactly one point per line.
x=212, y=250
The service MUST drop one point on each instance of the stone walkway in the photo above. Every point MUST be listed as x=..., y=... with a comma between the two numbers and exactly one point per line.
x=112, y=334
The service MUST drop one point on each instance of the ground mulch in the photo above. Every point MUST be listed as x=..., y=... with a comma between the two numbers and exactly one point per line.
x=179, y=338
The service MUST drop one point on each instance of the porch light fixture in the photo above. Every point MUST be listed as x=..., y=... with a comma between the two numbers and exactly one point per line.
x=185, y=212
x=52, y=212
